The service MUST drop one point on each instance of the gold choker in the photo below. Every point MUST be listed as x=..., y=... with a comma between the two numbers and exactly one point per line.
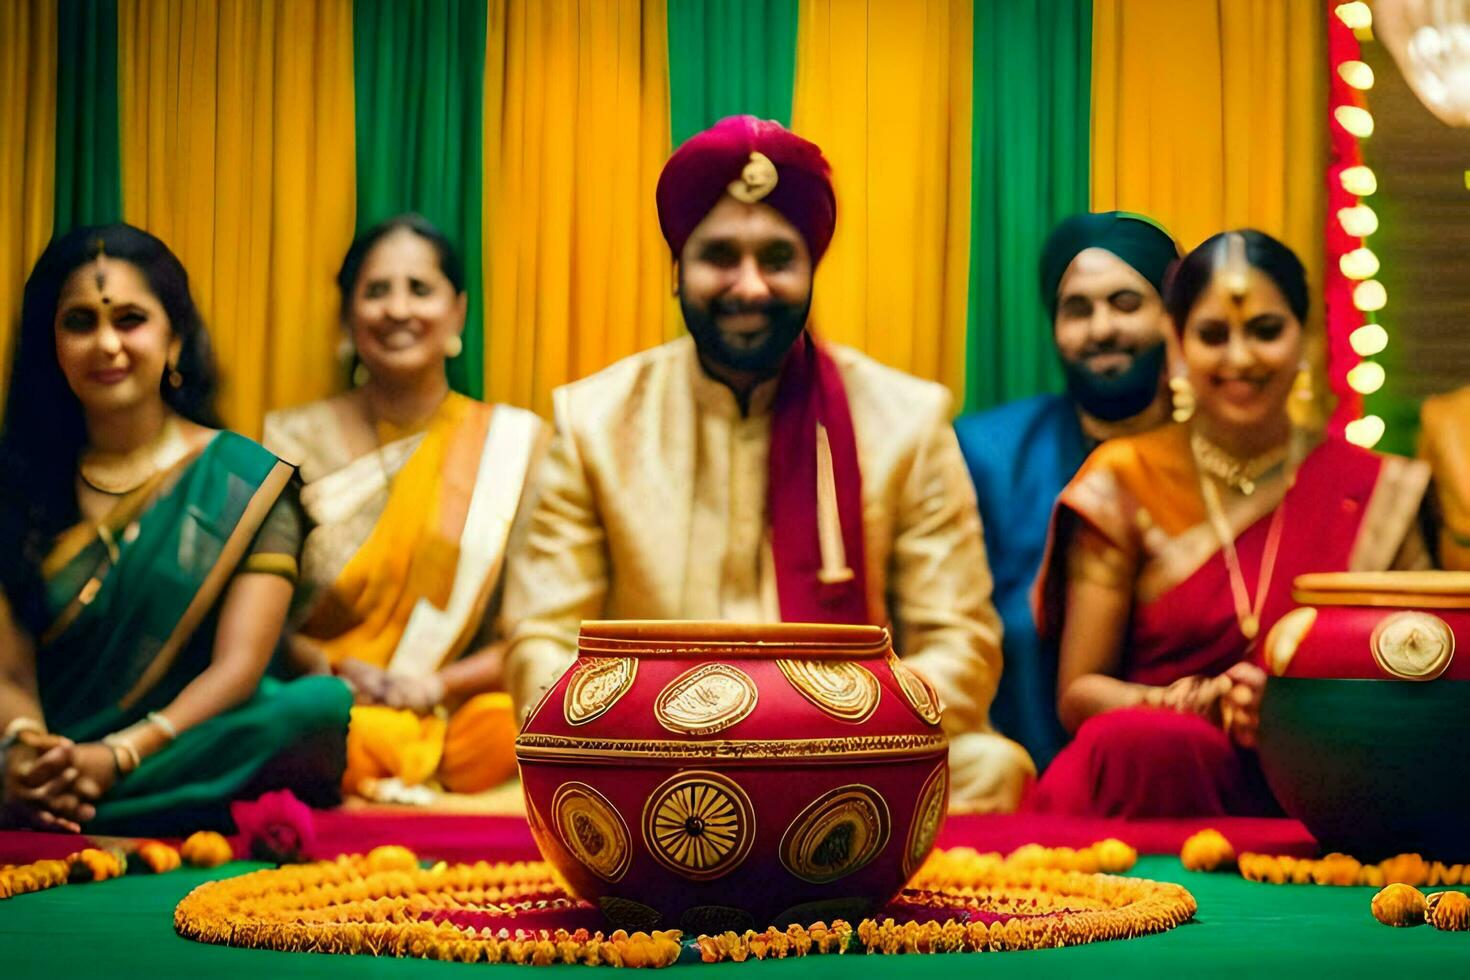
x=120, y=473
x=1238, y=474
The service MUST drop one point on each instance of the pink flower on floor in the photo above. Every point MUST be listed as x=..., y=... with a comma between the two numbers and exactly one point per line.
x=277, y=827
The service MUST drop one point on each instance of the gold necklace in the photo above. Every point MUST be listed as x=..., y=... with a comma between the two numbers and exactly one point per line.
x=1247, y=609
x=120, y=473
x=385, y=431
x=1238, y=474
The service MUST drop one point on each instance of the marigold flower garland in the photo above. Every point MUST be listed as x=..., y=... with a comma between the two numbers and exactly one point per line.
x=1398, y=903
x=90, y=864
x=37, y=876
x=382, y=904
x=206, y=849
x=1208, y=850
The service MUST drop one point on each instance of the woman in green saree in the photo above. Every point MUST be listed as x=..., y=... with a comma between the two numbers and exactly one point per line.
x=147, y=560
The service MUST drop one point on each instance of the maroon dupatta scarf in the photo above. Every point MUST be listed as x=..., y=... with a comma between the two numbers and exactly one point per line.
x=815, y=494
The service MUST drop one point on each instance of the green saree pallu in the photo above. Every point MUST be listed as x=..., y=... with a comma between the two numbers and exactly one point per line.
x=134, y=603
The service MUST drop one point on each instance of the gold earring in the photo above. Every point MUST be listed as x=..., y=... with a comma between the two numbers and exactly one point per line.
x=453, y=347
x=1302, y=395
x=1181, y=394
x=360, y=374
x=175, y=379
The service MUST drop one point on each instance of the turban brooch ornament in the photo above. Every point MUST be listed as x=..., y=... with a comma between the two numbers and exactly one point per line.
x=757, y=179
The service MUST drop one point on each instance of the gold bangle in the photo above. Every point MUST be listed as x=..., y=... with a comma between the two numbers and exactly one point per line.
x=124, y=752
x=164, y=725
x=117, y=761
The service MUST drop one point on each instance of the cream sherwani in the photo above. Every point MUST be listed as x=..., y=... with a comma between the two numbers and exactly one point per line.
x=653, y=506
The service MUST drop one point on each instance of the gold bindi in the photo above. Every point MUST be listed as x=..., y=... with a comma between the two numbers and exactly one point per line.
x=99, y=278
x=1236, y=270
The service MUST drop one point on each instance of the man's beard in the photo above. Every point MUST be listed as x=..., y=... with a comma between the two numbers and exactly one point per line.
x=1114, y=397
x=784, y=323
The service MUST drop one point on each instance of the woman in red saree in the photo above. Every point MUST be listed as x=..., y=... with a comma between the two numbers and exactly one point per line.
x=1173, y=552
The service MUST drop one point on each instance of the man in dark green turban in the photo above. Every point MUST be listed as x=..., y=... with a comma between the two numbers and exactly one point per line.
x=1102, y=276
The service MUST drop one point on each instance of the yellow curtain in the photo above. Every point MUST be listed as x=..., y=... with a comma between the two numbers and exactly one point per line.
x=1210, y=114
x=883, y=86
x=576, y=131
x=27, y=153
x=237, y=131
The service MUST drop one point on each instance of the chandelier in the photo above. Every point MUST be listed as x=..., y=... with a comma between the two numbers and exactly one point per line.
x=1430, y=42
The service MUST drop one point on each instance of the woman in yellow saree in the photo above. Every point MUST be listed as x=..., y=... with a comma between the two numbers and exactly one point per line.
x=413, y=492
x=148, y=562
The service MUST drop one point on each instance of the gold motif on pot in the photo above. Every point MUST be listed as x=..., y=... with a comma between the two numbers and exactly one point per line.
x=1286, y=637
x=837, y=834
x=928, y=815
x=708, y=699
x=593, y=830
x=916, y=691
x=841, y=688
x=596, y=685
x=1414, y=646
x=699, y=824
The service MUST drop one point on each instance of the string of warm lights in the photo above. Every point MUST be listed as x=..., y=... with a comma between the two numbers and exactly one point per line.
x=1356, y=299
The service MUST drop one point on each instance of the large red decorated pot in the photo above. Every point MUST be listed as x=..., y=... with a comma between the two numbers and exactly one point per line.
x=1365, y=722
x=1374, y=625
x=713, y=776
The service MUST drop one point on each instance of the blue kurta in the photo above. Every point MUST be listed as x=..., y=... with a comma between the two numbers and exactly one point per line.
x=1020, y=456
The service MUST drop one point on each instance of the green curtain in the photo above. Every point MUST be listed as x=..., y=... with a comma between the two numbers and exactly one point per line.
x=728, y=57
x=419, y=70
x=88, y=151
x=1033, y=95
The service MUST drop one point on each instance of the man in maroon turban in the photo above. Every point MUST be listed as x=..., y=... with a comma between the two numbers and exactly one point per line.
x=750, y=472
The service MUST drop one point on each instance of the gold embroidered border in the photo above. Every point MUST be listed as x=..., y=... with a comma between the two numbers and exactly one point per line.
x=570, y=748
x=215, y=581
x=1392, y=510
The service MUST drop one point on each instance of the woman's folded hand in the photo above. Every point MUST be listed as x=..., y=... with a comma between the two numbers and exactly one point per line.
x=40, y=790
x=1241, y=705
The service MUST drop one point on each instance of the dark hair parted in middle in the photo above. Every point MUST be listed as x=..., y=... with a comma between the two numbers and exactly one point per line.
x=449, y=261
x=1195, y=270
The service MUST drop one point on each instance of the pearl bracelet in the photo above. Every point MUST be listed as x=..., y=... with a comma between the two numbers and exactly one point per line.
x=15, y=728
x=164, y=725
